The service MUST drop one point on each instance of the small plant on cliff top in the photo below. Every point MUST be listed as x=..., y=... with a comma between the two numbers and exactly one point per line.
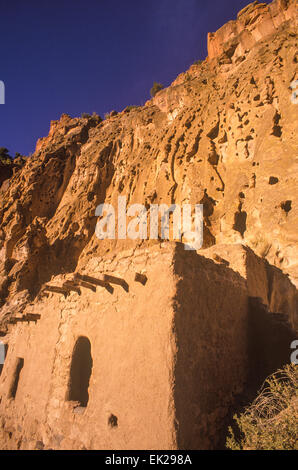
x=4, y=156
x=85, y=116
x=130, y=108
x=110, y=114
x=94, y=117
x=155, y=89
x=270, y=422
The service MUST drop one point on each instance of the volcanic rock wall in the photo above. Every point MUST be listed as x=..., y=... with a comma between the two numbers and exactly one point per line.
x=255, y=22
x=223, y=135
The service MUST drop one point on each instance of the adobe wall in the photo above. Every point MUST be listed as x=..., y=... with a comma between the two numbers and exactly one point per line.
x=169, y=357
x=272, y=311
x=211, y=324
x=132, y=348
x=264, y=281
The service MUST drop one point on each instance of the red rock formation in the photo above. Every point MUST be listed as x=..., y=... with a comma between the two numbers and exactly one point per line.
x=223, y=135
x=254, y=23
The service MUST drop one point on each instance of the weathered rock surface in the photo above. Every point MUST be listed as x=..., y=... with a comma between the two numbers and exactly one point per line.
x=7, y=169
x=223, y=134
x=255, y=22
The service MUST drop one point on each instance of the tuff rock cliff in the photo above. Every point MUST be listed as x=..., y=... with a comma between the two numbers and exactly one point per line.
x=223, y=134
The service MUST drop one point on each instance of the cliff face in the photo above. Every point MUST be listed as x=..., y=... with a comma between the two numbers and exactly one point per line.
x=223, y=134
x=7, y=169
x=151, y=313
x=255, y=22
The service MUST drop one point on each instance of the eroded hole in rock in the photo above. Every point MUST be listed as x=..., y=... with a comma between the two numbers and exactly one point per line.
x=277, y=130
x=213, y=133
x=39, y=445
x=273, y=180
x=90, y=196
x=240, y=222
x=16, y=377
x=113, y=421
x=208, y=205
x=213, y=158
x=286, y=206
x=9, y=264
x=80, y=372
x=252, y=81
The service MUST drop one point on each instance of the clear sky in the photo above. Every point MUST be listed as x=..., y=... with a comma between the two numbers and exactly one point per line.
x=75, y=56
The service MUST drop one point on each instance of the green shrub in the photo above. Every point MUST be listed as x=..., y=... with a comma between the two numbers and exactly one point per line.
x=4, y=156
x=270, y=422
x=198, y=62
x=95, y=118
x=130, y=108
x=155, y=89
x=111, y=114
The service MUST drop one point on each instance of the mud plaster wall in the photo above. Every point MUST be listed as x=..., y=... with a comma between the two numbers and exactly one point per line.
x=132, y=351
x=211, y=315
x=169, y=357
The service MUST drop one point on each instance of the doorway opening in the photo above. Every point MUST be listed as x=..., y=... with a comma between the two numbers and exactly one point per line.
x=80, y=372
x=16, y=378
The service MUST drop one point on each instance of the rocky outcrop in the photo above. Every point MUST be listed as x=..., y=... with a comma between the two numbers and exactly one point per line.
x=7, y=169
x=196, y=330
x=255, y=22
x=223, y=134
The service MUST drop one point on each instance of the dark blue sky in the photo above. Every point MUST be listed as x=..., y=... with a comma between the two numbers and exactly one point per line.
x=74, y=56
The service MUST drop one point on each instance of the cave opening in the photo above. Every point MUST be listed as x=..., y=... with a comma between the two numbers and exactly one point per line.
x=240, y=219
